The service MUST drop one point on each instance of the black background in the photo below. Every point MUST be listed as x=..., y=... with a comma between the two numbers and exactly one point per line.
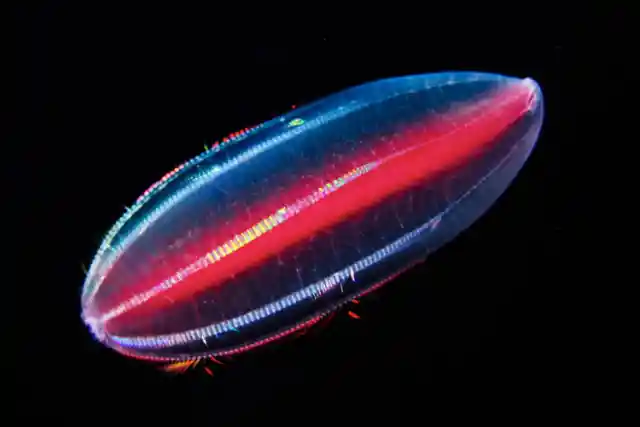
x=110, y=98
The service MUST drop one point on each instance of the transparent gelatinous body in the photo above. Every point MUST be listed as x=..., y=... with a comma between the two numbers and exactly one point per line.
x=282, y=223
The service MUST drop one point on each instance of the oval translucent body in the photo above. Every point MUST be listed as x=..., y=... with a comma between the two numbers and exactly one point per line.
x=280, y=224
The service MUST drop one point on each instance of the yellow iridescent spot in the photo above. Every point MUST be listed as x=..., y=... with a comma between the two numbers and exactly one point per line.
x=210, y=257
x=296, y=122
